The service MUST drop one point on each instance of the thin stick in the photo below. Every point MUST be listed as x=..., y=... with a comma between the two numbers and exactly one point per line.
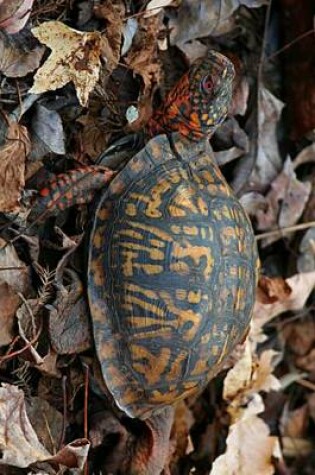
x=290, y=229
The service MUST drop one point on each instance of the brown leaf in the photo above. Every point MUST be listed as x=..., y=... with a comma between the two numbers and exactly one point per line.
x=294, y=423
x=73, y=455
x=75, y=57
x=301, y=286
x=14, y=14
x=15, y=62
x=94, y=137
x=113, y=13
x=12, y=166
x=299, y=336
x=142, y=57
x=271, y=290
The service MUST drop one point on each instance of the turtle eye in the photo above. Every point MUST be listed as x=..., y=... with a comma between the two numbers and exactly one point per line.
x=207, y=84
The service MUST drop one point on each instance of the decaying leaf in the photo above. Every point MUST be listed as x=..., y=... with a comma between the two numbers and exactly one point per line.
x=13, y=271
x=301, y=286
x=142, y=57
x=113, y=13
x=75, y=57
x=199, y=18
x=9, y=303
x=268, y=163
x=14, y=14
x=306, y=259
x=47, y=133
x=19, y=443
x=12, y=166
x=155, y=6
x=15, y=62
x=286, y=201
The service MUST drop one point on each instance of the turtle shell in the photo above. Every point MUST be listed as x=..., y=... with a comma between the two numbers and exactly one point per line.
x=172, y=275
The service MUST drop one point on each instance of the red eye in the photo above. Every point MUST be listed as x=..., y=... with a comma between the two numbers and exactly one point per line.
x=207, y=84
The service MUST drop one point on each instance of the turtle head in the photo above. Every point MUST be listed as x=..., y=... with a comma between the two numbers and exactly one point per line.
x=199, y=102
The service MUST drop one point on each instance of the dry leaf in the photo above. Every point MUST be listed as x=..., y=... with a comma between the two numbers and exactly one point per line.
x=268, y=162
x=113, y=13
x=198, y=18
x=13, y=271
x=18, y=441
x=142, y=57
x=250, y=449
x=306, y=259
x=250, y=375
x=14, y=14
x=75, y=57
x=15, y=62
x=307, y=155
x=155, y=6
x=294, y=423
x=301, y=286
x=12, y=166
x=9, y=303
x=286, y=202
x=273, y=289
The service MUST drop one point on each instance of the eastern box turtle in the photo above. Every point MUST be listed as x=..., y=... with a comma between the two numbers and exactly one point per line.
x=172, y=263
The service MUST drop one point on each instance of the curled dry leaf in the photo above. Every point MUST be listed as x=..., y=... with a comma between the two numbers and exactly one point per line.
x=271, y=290
x=15, y=62
x=12, y=166
x=13, y=271
x=75, y=57
x=286, y=201
x=14, y=14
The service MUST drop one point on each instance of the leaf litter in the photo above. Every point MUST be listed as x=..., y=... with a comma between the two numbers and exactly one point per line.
x=70, y=72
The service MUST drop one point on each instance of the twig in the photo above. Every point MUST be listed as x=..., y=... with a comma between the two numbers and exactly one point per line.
x=86, y=400
x=288, y=45
x=290, y=229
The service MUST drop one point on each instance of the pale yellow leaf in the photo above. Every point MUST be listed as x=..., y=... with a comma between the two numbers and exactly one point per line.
x=250, y=449
x=75, y=57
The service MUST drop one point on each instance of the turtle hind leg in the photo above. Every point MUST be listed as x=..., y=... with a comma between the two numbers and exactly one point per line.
x=152, y=449
x=67, y=189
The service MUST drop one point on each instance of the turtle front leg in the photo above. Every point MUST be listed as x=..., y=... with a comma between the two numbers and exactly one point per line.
x=67, y=189
x=152, y=449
